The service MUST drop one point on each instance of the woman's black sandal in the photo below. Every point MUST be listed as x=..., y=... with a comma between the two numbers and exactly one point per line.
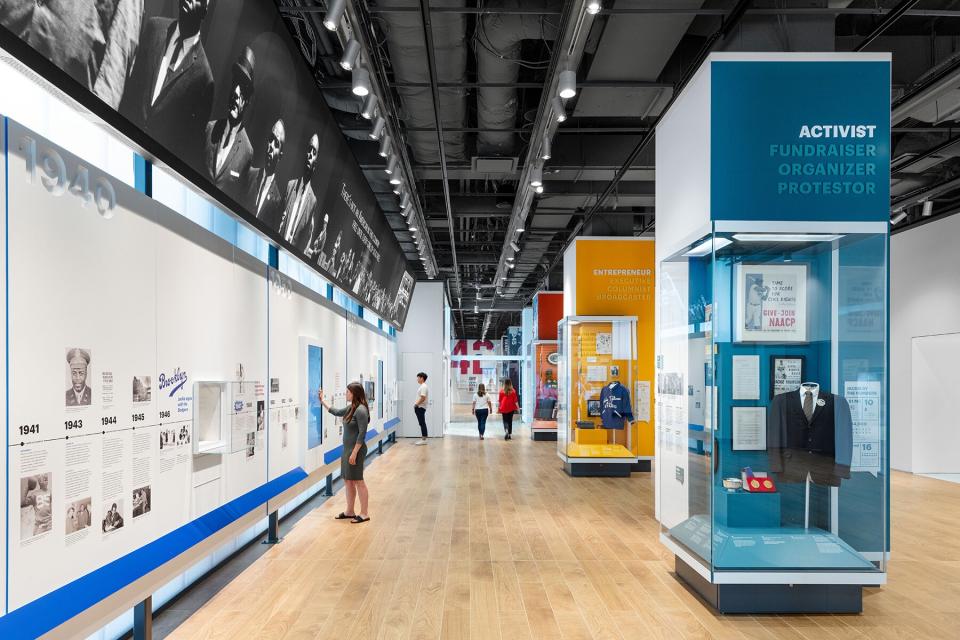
x=360, y=519
x=344, y=516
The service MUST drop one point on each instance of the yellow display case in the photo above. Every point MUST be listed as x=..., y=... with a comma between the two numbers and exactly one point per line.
x=597, y=394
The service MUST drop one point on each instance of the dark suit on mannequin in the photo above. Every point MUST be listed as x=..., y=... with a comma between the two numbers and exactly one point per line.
x=822, y=447
x=178, y=116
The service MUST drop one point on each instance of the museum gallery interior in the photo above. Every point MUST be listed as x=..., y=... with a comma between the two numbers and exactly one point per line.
x=480, y=319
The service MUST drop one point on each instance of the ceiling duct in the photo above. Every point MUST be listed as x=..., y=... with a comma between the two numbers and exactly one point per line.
x=635, y=48
x=498, y=45
x=404, y=31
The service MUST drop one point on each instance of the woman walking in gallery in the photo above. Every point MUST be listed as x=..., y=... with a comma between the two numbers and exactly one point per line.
x=508, y=407
x=483, y=410
x=356, y=417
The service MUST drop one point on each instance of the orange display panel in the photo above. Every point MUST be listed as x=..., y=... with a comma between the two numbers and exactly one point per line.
x=545, y=407
x=616, y=277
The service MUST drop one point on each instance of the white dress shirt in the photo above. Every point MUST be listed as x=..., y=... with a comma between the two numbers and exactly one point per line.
x=296, y=213
x=815, y=389
x=188, y=44
x=223, y=150
x=265, y=183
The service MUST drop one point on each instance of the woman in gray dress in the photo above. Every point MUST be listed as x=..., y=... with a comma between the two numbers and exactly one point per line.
x=356, y=417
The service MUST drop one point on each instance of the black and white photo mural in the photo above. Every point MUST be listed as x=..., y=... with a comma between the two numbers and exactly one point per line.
x=218, y=91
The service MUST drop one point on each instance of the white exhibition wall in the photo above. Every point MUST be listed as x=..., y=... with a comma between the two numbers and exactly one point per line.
x=924, y=301
x=422, y=347
x=148, y=300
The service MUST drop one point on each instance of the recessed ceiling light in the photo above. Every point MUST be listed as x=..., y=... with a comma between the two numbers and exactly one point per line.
x=785, y=237
x=704, y=247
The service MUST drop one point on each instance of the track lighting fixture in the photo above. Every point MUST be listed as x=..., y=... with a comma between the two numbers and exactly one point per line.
x=334, y=14
x=538, y=189
x=900, y=217
x=567, y=86
x=408, y=212
x=927, y=208
x=392, y=166
x=361, y=82
x=398, y=189
x=515, y=246
x=536, y=177
x=559, y=110
x=369, y=108
x=378, y=126
x=351, y=55
x=593, y=7
x=545, y=153
x=395, y=178
x=385, y=146
x=405, y=200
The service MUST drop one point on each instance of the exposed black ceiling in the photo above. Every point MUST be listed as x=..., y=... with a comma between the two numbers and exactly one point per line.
x=492, y=59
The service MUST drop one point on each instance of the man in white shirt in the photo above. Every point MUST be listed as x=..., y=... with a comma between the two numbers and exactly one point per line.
x=420, y=407
x=170, y=90
x=227, y=152
x=263, y=193
x=297, y=225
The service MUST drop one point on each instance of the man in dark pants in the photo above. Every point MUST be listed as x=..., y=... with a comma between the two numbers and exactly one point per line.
x=420, y=407
x=170, y=91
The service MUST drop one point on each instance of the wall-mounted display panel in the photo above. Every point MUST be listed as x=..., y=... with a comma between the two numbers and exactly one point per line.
x=138, y=401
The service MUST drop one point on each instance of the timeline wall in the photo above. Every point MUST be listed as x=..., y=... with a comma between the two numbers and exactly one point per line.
x=117, y=309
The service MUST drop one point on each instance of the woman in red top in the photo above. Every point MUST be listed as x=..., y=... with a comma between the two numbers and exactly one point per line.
x=508, y=406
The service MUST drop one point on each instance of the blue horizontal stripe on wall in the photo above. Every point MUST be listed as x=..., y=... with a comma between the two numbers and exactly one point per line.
x=50, y=611
x=390, y=424
x=333, y=454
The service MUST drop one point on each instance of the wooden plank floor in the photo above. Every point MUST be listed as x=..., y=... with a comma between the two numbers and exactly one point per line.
x=491, y=539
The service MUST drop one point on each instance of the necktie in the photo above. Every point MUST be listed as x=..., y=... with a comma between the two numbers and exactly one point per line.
x=808, y=405
x=173, y=59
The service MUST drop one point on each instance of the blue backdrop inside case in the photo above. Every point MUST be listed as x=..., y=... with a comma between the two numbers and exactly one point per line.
x=766, y=166
x=314, y=384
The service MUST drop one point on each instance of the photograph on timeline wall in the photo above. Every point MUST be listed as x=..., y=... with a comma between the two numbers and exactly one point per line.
x=221, y=87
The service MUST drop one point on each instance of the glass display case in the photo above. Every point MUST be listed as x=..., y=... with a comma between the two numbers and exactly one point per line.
x=229, y=417
x=545, y=358
x=595, y=394
x=772, y=399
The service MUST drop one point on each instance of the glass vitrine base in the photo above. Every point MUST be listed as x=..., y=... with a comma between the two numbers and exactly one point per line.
x=774, y=597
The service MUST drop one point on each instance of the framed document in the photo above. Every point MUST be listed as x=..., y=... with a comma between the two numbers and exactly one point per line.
x=786, y=373
x=771, y=303
x=749, y=429
x=746, y=377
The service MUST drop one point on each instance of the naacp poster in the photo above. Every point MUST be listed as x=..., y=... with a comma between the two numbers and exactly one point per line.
x=771, y=302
